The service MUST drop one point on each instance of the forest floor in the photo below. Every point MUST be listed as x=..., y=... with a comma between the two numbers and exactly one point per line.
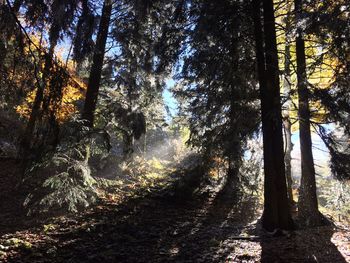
x=158, y=228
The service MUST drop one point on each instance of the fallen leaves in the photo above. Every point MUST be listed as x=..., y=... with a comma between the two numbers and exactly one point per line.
x=156, y=228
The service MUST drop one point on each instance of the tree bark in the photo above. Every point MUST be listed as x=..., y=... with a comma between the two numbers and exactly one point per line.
x=286, y=117
x=276, y=213
x=38, y=100
x=308, y=212
x=97, y=64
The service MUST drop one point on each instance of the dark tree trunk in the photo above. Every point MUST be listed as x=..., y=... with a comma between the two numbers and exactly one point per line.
x=276, y=207
x=307, y=205
x=231, y=187
x=38, y=100
x=97, y=64
x=286, y=118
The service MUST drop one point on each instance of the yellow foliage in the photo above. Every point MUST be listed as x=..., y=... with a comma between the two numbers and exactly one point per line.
x=72, y=91
x=154, y=176
x=320, y=75
x=156, y=164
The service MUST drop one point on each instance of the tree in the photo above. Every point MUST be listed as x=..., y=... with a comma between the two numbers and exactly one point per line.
x=42, y=101
x=307, y=205
x=83, y=43
x=276, y=207
x=97, y=64
x=287, y=90
x=330, y=23
x=216, y=84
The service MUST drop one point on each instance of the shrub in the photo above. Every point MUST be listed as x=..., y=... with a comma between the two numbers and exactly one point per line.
x=61, y=184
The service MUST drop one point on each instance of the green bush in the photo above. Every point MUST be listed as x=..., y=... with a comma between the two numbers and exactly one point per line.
x=61, y=184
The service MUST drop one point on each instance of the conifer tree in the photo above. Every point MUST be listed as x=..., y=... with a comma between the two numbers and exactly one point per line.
x=307, y=204
x=276, y=206
x=41, y=105
x=287, y=107
x=97, y=64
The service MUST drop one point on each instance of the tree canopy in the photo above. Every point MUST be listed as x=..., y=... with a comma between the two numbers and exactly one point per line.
x=85, y=108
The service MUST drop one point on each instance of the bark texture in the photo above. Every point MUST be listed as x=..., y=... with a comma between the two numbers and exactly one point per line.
x=308, y=212
x=276, y=213
x=39, y=97
x=97, y=64
x=287, y=107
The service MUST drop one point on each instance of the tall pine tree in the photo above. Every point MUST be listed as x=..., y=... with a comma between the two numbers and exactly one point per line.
x=276, y=206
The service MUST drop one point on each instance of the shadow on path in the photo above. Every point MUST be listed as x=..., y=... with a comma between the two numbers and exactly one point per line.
x=12, y=214
x=147, y=229
x=173, y=228
x=310, y=245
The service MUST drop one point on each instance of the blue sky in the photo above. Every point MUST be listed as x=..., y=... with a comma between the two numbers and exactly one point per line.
x=168, y=97
x=320, y=154
x=320, y=151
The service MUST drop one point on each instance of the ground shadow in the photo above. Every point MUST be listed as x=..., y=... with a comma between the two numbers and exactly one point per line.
x=152, y=228
x=12, y=214
x=309, y=245
x=178, y=227
x=211, y=237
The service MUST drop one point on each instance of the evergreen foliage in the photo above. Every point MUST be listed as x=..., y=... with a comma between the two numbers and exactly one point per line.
x=61, y=185
x=118, y=58
x=218, y=78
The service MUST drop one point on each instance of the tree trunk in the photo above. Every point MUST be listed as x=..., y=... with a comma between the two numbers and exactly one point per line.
x=231, y=187
x=307, y=205
x=97, y=64
x=276, y=213
x=286, y=118
x=38, y=100
x=288, y=158
x=232, y=178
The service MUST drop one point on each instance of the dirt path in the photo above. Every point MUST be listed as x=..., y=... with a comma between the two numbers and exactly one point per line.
x=167, y=229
